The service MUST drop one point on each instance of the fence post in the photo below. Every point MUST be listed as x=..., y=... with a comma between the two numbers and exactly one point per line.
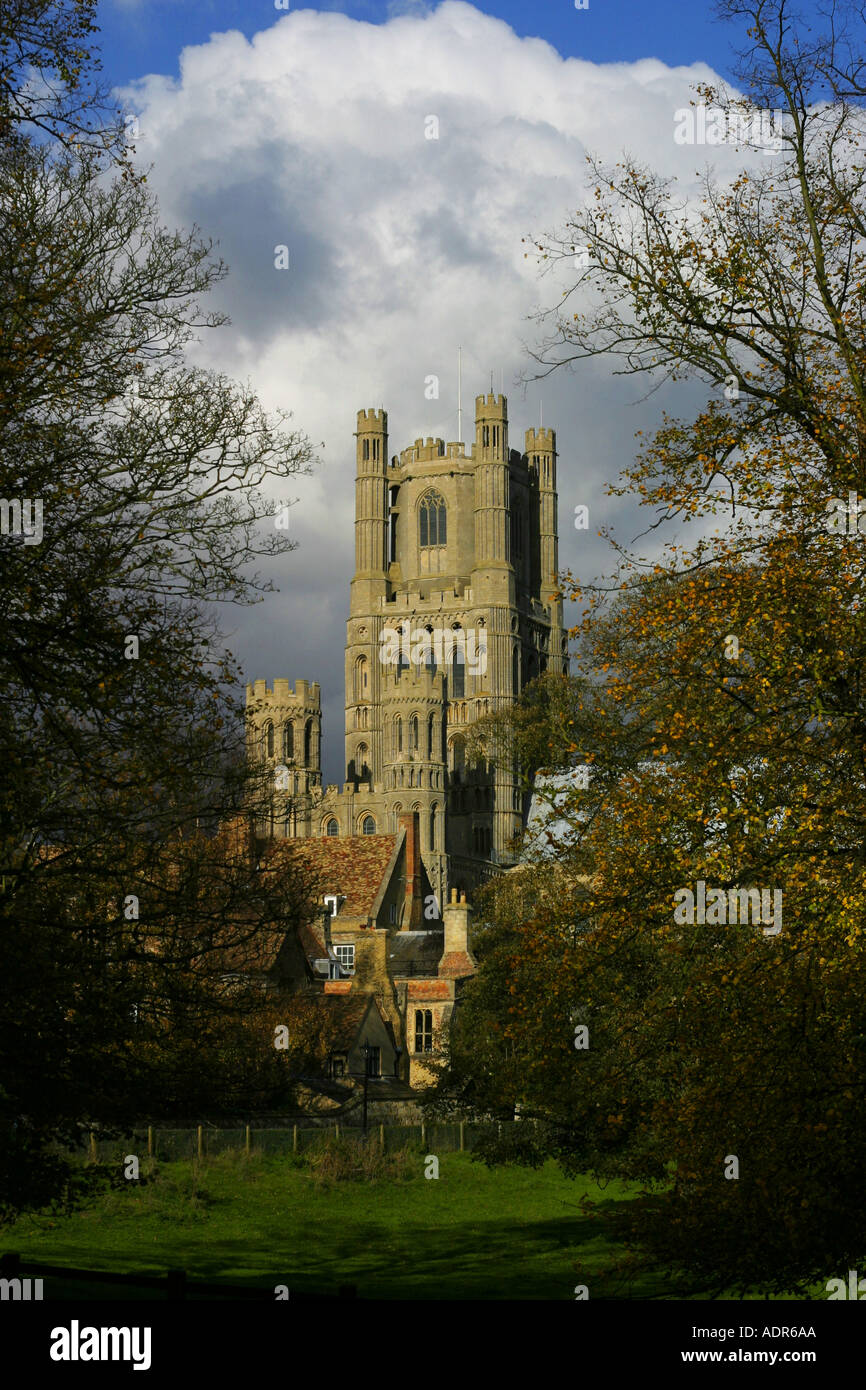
x=294, y=1139
x=337, y=1128
x=150, y=1141
x=247, y=1139
x=462, y=1144
x=382, y=1138
x=423, y=1134
x=200, y=1141
x=94, y=1151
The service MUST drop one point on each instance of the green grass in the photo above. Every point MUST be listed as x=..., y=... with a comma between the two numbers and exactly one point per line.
x=260, y=1221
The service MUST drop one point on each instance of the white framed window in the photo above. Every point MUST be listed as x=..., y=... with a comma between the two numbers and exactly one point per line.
x=346, y=956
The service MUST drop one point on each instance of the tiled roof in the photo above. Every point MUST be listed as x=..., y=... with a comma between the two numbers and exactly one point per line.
x=456, y=965
x=349, y=1010
x=429, y=989
x=416, y=952
x=312, y=942
x=353, y=866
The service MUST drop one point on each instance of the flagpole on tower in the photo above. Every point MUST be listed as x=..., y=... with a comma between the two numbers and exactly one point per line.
x=460, y=395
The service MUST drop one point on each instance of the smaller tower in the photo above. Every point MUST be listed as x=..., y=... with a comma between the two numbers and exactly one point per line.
x=284, y=738
x=541, y=459
x=492, y=575
x=371, y=510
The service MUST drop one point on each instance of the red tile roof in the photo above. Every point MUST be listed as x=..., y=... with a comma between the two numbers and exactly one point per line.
x=353, y=866
x=429, y=989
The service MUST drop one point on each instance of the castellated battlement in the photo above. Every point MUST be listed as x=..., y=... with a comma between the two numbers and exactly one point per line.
x=306, y=693
x=372, y=420
x=423, y=451
x=430, y=451
x=490, y=405
x=540, y=441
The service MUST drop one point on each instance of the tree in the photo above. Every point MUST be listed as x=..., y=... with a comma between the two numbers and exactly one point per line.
x=720, y=707
x=132, y=507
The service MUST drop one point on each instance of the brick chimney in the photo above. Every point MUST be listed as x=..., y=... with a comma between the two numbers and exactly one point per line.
x=413, y=911
x=457, y=960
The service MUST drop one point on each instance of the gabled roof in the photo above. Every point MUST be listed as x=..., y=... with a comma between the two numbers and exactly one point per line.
x=349, y=1011
x=355, y=866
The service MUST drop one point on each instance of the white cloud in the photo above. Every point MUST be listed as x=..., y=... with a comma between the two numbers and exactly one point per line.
x=401, y=247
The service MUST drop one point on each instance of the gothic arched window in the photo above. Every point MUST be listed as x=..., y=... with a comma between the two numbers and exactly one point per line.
x=423, y=1030
x=432, y=519
x=413, y=731
x=332, y=828
x=369, y=826
x=308, y=741
x=458, y=675
x=288, y=741
x=269, y=739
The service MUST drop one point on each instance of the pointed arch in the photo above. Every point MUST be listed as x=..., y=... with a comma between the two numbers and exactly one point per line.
x=432, y=519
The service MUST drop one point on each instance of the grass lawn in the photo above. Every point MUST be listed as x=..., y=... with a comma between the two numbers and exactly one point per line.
x=472, y=1234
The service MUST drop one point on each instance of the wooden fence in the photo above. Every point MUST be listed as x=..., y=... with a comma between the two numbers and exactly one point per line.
x=200, y=1141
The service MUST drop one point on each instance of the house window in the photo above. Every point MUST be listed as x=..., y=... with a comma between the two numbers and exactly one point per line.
x=369, y=826
x=423, y=1030
x=338, y=1064
x=346, y=956
x=374, y=1061
x=332, y=828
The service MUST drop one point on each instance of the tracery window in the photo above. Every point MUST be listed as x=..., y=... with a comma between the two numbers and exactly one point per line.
x=432, y=522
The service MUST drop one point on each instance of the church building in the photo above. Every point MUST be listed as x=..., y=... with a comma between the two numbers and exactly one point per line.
x=453, y=609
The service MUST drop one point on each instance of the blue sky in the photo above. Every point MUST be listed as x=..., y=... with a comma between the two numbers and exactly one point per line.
x=143, y=36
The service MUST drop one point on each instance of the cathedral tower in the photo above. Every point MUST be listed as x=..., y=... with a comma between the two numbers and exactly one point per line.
x=453, y=609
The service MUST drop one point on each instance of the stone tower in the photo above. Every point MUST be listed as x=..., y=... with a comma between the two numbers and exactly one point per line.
x=452, y=611
x=284, y=730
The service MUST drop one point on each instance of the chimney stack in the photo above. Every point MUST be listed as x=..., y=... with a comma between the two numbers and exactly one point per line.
x=457, y=960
